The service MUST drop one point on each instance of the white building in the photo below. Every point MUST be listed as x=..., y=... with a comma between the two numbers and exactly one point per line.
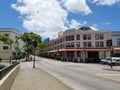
x=115, y=36
x=84, y=43
x=13, y=34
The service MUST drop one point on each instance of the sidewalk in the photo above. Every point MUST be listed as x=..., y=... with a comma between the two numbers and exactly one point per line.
x=36, y=79
x=115, y=68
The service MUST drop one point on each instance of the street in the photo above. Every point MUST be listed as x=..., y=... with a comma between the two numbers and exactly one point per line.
x=80, y=76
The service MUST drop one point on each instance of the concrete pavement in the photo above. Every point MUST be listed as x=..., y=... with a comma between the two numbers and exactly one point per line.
x=36, y=79
x=115, y=68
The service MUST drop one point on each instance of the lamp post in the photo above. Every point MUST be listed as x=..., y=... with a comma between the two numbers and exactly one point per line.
x=109, y=45
x=84, y=54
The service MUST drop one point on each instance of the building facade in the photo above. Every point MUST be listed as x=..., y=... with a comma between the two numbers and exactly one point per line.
x=5, y=51
x=84, y=45
x=115, y=35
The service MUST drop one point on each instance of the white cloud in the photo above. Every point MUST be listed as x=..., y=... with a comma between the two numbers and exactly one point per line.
x=74, y=24
x=94, y=28
x=105, y=2
x=77, y=6
x=77, y=24
x=42, y=17
x=106, y=23
x=48, y=17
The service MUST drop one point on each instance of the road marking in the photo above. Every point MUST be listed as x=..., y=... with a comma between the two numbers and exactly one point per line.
x=109, y=76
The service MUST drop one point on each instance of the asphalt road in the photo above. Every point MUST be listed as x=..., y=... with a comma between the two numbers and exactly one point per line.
x=81, y=76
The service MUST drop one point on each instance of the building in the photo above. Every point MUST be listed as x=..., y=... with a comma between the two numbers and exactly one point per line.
x=115, y=36
x=5, y=51
x=84, y=44
x=49, y=50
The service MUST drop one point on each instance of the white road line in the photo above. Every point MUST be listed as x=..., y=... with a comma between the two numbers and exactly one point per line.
x=108, y=74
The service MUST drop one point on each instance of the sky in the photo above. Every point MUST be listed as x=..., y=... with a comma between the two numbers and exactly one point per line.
x=48, y=17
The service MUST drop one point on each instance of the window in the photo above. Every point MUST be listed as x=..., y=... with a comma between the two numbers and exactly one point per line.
x=84, y=44
x=89, y=44
x=63, y=46
x=118, y=41
x=77, y=37
x=60, y=46
x=97, y=44
x=78, y=44
x=6, y=34
x=61, y=40
x=72, y=44
x=99, y=36
x=5, y=47
x=67, y=45
x=96, y=36
x=67, y=38
x=70, y=38
x=16, y=37
x=84, y=37
x=101, y=44
x=89, y=36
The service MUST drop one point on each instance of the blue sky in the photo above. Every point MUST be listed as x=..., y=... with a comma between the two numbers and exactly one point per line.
x=48, y=17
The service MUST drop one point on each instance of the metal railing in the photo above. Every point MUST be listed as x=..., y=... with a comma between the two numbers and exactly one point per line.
x=6, y=70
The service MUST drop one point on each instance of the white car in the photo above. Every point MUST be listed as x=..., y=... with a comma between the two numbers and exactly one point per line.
x=115, y=61
x=105, y=60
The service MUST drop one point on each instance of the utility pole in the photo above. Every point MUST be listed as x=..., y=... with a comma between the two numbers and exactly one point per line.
x=34, y=45
x=109, y=45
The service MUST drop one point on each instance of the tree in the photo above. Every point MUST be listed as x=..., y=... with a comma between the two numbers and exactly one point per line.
x=42, y=45
x=5, y=39
x=28, y=38
x=8, y=41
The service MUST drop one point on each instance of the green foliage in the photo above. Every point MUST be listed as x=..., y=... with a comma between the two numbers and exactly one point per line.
x=28, y=38
x=42, y=45
x=5, y=39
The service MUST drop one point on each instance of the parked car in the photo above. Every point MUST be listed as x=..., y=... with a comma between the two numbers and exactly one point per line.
x=28, y=57
x=105, y=60
x=115, y=61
